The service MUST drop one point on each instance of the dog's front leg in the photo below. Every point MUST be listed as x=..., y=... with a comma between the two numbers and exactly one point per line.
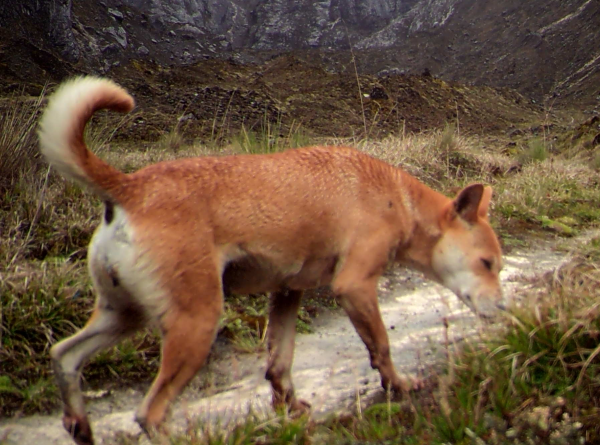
x=282, y=331
x=358, y=297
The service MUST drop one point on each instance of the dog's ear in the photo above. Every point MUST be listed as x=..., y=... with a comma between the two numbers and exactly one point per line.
x=484, y=205
x=467, y=204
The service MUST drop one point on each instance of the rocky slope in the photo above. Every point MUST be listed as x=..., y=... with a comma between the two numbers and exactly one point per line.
x=543, y=48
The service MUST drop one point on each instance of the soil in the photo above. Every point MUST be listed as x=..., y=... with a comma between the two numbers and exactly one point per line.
x=211, y=100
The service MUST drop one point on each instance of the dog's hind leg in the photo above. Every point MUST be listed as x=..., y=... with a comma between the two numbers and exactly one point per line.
x=105, y=328
x=281, y=335
x=189, y=327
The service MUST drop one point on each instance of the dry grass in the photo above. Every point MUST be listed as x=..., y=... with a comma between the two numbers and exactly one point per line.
x=18, y=142
x=442, y=159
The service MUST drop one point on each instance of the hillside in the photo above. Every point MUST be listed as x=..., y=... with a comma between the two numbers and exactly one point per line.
x=543, y=49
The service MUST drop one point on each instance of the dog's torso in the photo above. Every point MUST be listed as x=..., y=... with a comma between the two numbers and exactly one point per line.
x=282, y=221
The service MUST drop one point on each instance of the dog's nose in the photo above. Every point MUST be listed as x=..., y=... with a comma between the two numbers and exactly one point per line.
x=501, y=306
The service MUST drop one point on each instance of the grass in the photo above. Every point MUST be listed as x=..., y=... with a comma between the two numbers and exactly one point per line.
x=545, y=360
x=269, y=138
x=18, y=142
x=256, y=429
x=536, y=151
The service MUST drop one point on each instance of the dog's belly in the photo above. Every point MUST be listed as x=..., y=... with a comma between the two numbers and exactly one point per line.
x=249, y=275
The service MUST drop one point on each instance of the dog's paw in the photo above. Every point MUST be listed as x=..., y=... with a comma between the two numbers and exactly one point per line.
x=299, y=407
x=412, y=384
x=292, y=406
x=404, y=385
x=79, y=429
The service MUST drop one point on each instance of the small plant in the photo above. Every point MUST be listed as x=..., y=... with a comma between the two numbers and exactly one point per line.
x=171, y=141
x=448, y=140
x=536, y=151
x=269, y=138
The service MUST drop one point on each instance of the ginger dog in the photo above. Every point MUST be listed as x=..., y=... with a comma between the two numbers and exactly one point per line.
x=175, y=234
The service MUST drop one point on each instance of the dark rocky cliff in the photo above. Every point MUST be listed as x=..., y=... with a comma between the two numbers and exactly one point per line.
x=543, y=48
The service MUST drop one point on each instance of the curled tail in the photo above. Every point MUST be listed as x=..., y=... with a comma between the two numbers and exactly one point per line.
x=62, y=126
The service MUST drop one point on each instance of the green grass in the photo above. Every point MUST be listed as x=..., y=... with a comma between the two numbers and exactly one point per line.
x=536, y=151
x=256, y=429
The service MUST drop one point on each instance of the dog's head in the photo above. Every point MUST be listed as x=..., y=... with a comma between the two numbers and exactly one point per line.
x=467, y=258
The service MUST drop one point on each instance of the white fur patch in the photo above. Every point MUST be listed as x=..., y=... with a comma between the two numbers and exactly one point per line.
x=113, y=248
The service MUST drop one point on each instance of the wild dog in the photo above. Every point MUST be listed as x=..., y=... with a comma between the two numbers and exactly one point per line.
x=175, y=234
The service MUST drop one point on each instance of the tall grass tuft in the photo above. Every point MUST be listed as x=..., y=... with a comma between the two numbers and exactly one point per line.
x=269, y=138
x=536, y=151
x=19, y=154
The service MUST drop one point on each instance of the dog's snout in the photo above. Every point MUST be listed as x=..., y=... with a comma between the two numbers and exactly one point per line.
x=501, y=306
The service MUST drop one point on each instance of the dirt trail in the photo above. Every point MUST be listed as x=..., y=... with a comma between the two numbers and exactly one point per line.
x=331, y=365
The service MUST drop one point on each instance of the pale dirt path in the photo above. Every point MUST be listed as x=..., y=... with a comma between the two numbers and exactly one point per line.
x=331, y=365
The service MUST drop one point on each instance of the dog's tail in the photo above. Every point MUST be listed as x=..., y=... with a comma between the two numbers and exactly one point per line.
x=61, y=131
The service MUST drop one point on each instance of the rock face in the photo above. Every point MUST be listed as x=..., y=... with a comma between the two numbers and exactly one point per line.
x=543, y=48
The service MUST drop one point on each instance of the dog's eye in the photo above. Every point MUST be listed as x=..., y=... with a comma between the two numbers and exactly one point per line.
x=487, y=263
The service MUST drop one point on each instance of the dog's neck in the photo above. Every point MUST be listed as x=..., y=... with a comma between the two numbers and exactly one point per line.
x=427, y=208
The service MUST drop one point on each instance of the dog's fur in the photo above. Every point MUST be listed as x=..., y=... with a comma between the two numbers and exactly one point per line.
x=174, y=235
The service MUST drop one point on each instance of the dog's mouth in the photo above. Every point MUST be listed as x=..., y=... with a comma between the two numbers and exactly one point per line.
x=466, y=299
x=487, y=315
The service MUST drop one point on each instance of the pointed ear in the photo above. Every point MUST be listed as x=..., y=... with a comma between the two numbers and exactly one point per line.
x=466, y=204
x=484, y=205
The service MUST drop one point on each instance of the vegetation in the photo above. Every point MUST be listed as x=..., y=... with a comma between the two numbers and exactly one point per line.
x=533, y=380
